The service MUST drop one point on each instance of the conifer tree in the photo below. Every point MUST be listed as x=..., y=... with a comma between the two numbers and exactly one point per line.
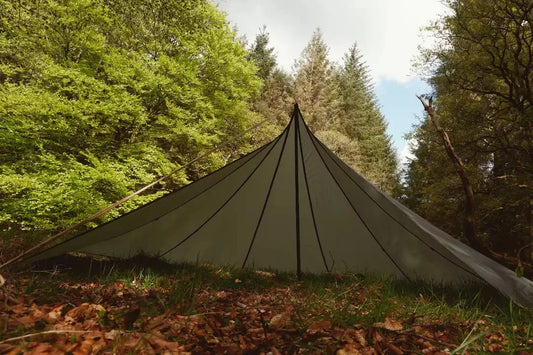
x=275, y=100
x=361, y=120
x=263, y=55
x=314, y=86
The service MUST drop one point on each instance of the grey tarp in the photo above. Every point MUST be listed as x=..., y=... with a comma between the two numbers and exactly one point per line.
x=247, y=214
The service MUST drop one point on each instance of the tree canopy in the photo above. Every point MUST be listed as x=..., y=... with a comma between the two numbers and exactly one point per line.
x=100, y=97
x=480, y=70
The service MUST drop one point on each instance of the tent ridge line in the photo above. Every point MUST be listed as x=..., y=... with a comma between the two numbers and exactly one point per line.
x=266, y=199
x=222, y=206
x=313, y=138
x=304, y=168
x=402, y=225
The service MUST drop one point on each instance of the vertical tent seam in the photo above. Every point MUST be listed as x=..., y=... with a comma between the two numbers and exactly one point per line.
x=266, y=200
x=297, y=194
x=355, y=210
x=398, y=222
x=222, y=206
x=311, y=207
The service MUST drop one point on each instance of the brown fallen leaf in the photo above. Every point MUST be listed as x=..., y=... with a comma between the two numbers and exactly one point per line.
x=319, y=326
x=395, y=349
x=391, y=324
x=275, y=351
x=42, y=349
x=161, y=345
x=84, y=311
x=359, y=336
x=348, y=350
x=280, y=320
x=5, y=348
x=376, y=336
x=54, y=314
x=495, y=348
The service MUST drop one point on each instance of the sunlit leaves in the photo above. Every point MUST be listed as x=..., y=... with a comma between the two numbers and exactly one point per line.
x=101, y=97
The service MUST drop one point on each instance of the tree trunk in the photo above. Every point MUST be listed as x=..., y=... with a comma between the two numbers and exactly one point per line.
x=470, y=206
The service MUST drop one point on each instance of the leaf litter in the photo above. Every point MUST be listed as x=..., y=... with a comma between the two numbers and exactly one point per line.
x=243, y=318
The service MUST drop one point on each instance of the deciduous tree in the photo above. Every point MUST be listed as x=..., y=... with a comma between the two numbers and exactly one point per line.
x=98, y=98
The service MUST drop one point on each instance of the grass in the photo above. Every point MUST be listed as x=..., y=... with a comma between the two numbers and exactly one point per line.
x=474, y=314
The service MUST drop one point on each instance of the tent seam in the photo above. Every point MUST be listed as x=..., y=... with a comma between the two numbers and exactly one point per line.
x=222, y=206
x=398, y=222
x=311, y=207
x=266, y=199
x=354, y=209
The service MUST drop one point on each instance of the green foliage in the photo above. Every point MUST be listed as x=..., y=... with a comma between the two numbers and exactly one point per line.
x=275, y=100
x=98, y=98
x=481, y=73
x=262, y=55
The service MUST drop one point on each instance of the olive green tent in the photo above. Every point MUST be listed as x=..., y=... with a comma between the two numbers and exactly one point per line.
x=293, y=205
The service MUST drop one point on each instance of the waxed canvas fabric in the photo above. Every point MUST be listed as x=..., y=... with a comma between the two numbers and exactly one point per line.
x=294, y=205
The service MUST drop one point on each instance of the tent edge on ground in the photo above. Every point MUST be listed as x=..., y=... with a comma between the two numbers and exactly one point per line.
x=293, y=201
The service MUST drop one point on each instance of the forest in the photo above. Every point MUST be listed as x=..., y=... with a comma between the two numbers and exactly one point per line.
x=99, y=98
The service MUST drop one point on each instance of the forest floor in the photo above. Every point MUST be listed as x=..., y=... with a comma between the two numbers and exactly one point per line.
x=88, y=306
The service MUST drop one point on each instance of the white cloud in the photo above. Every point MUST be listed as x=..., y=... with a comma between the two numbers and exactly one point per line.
x=387, y=31
x=406, y=153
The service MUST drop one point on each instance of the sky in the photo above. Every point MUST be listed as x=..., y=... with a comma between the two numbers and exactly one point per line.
x=387, y=33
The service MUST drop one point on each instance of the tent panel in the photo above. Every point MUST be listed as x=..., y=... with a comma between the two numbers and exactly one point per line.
x=314, y=258
x=94, y=241
x=275, y=243
x=413, y=257
x=457, y=253
x=198, y=219
x=346, y=241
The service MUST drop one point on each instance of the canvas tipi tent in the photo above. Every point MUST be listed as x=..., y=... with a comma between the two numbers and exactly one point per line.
x=293, y=205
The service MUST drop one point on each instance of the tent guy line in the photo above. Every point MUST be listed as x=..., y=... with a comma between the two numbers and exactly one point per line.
x=107, y=209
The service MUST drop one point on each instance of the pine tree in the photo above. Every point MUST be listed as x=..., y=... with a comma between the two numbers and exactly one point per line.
x=275, y=100
x=263, y=55
x=361, y=120
x=314, y=88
